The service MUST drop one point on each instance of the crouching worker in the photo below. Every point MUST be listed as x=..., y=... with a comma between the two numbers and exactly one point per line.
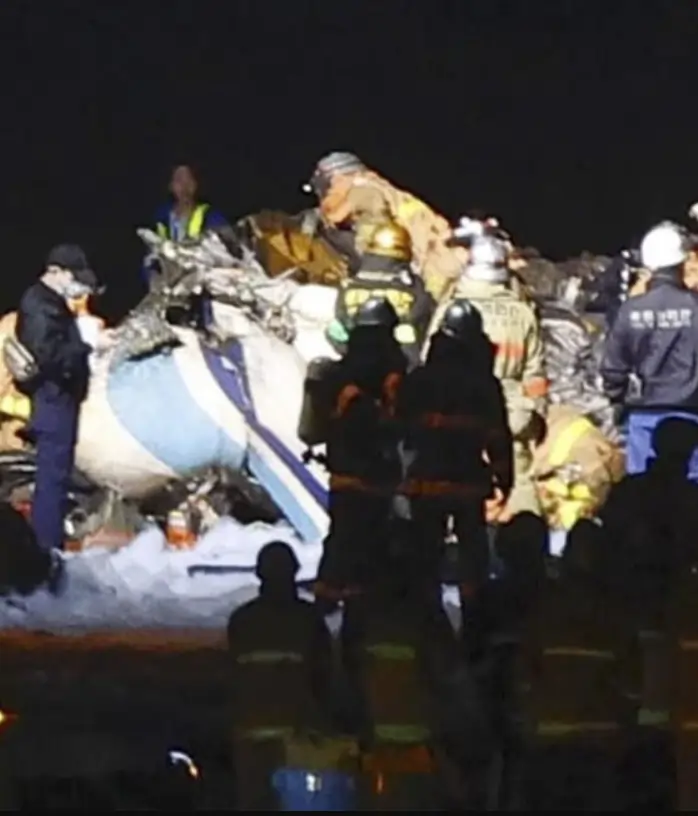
x=350, y=408
x=395, y=651
x=281, y=663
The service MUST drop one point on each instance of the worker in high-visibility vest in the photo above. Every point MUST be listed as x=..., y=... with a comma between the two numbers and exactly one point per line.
x=580, y=685
x=280, y=653
x=185, y=218
x=396, y=653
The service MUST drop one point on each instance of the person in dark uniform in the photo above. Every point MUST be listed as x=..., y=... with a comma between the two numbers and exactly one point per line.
x=386, y=272
x=614, y=285
x=650, y=363
x=281, y=667
x=47, y=329
x=459, y=445
x=350, y=408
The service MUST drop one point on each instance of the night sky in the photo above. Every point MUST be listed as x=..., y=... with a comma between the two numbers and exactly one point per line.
x=575, y=122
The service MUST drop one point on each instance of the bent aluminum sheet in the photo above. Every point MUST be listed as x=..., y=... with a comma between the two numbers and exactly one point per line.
x=178, y=412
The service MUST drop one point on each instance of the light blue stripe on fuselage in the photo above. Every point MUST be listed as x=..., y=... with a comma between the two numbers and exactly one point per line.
x=152, y=401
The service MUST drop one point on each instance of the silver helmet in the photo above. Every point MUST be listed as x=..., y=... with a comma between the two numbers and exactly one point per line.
x=332, y=164
x=487, y=260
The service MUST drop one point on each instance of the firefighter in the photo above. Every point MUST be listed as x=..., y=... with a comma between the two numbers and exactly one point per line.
x=519, y=363
x=351, y=195
x=386, y=272
x=281, y=659
x=650, y=363
x=454, y=414
x=350, y=408
x=683, y=708
x=397, y=655
x=477, y=225
x=580, y=685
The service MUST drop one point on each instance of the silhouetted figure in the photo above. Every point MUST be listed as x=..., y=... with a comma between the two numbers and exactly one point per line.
x=397, y=654
x=351, y=408
x=508, y=602
x=281, y=662
x=459, y=450
x=576, y=708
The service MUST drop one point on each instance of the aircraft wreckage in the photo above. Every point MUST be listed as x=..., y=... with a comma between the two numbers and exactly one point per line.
x=204, y=422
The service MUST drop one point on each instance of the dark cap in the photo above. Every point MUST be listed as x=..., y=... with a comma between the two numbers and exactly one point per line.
x=73, y=258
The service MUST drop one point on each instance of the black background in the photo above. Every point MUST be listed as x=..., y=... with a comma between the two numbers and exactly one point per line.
x=574, y=122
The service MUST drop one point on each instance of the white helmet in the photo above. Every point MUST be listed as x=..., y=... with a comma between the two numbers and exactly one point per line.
x=487, y=260
x=664, y=245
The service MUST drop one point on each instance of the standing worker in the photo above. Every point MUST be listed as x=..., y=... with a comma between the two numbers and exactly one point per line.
x=386, y=272
x=454, y=415
x=653, y=345
x=47, y=329
x=350, y=407
x=519, y=363
x=399, y=659
x=580, y=684
x=185, y=218
x=281, y=669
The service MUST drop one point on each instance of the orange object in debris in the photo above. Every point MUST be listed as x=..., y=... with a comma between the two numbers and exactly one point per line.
x=179, y=533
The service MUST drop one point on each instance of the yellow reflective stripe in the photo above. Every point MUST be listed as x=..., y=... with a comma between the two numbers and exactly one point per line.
x=17, y=406
x=391, y=651
x=405, y=334
x=556, y=729
x=162, y=230
x=269, y=657
x=651, y=634
x=408, y=207
x=572, y=651
x=652, y=717
x=266, y=733
x=196, y=222
x=564, y=443
x=401, y=733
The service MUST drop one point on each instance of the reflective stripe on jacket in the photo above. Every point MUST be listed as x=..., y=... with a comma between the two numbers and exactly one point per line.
x=195, y=225
x=363, y=470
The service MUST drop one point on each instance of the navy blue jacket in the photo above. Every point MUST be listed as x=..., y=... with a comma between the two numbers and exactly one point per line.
x=655, y=338
x=47, y=328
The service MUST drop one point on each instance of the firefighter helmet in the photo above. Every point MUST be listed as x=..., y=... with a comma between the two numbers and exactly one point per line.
x=461, y=321
x=487, y=260
x=337, y=163
x=390, y=240
x=376, y=312
x=276, y=560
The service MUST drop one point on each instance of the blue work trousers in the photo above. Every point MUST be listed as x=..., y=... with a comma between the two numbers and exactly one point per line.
x=639, y=448
x=54, y=426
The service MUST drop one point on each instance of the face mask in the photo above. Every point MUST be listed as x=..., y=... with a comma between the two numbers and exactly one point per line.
x=75, y=290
